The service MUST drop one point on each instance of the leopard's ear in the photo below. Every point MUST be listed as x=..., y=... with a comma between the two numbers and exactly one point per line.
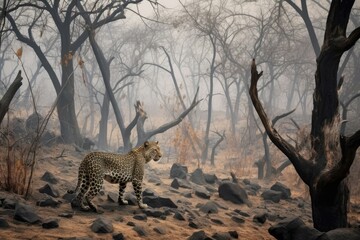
x=146, y=144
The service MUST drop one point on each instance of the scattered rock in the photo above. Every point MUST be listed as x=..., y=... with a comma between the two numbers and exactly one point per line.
x=209, y=207
x=285, y=191
x=25, y=213
x=271, y=195
x=194, y=224
x=200, y=235
x=198, y=177
x=49, y=190
x=342, y=233
x=141, y=217
x=154, y=179
x=118, y=236
x=244, y=214
x=69, y=197
x=180, y=183
x=140, y=230
x=201, y=192
x=132, y=224
x=178, y=171
x=50, y=223
x=238, y=219
x=102, y=225
x=4, y=223
x=153, y=212
x=210, y=178
x=217, y=221
x=148, y=192
x=260, y=218
x=48, y=202
x=112, y=197
x=158, y=202
x=49, y=177
x=187, y=194
x=9, y=204
x=233, y=192
x=179, y=216
x=222, y=236
x=246, y=181
x=66, y=215
x=234, y=234
x=160, y=230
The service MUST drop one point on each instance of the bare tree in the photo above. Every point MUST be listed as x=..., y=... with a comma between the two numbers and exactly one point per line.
x=333, y=154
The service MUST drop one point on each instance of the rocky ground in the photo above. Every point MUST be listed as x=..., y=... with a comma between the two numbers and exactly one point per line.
x=184, y=203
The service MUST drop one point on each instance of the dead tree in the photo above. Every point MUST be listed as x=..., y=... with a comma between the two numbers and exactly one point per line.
x=9, y=95
x=332, y=153
x=212, y=156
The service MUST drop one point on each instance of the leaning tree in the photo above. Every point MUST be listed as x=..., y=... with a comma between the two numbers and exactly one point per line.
x=332, y=154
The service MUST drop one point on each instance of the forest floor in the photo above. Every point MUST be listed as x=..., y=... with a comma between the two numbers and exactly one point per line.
x=77, y=224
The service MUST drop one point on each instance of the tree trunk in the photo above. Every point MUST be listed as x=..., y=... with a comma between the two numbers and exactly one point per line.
x=10, y=93
x=103, y=125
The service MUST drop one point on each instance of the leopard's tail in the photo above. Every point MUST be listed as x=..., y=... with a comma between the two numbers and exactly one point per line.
x=80, y=178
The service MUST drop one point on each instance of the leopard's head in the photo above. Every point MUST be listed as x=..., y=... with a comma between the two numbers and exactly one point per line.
x=152, y=151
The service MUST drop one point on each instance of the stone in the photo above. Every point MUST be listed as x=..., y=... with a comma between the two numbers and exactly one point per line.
x=140, y=230
x=210, y=178
x=217, y=221
x=178, y=171
x=158, y=202
x=160, y=230
x=194, y=224
x=179, y=216
x=148, y=192
x=234, y=193
x=3, y=223
x=25, y=213
x=102, y=225
x=66, y=215
x=222, y=236
x=294, y=229
x=180, y=183
x=50, y=223
x=69, y=197
x=244, y=214
x=153, y=212
x=342, y=233
x=238, y=219
x=200, y=235
x=48, y=202
x=198, y=177
x=260, y=218
x=285, y=191
x=234, y=234
x=209, y=207
x=112, y=197
x=202, y=192
x=9, y=204
x=49, y=177
x=49, y=190
x=271, y=195
x=141, y=217
x=118, y=236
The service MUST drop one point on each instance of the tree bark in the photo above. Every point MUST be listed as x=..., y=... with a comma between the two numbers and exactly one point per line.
x=10, y=93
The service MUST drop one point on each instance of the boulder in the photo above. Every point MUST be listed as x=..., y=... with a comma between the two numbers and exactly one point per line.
x=49, y=177
x=209, y=207
x=180, y=183
x=198, y=177
x=200, y=235
x=210, y=178
x=271, y=195
x=49, y=190
x=102, y=225
x=140, y=230
x=50, y=223
x=25, y=213
x=48, y=202
x=285, y=191
x=232, y=192
x=178, y=171
x=158, y=202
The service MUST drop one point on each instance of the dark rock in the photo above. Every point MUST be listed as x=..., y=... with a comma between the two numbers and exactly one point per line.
x=201, y=192
x=238, y=219
x=140, y=230
x=217, y=221
x=254, y=186
x=118, y=236
x=194, y=224
x=178, y=171
x=9, y=204
x=234, y=234
x=233, y=192
x=160, y=230
x=25, y=213
x=4, y=223
x=260, y=218
x=285, y=191
x=102, y=225
x=246, y=181
x=198, y=177
x=49, y=190
x=342, y=233
x=200, y=235
x=154, y=179
x=48, y=202
x=209, y=207
x=132, y=224
x=294, y=229
x=49, y=177
x=222, y=236
x=271, y=195
x=180, y=183
x=210, y=178
x=153, y=212
x=158, y=202
x=141, y=217
x=244, y=214
x=187, y=194
x=50, y=223
x=131, y=198
x=179, y=216
x=69, y=197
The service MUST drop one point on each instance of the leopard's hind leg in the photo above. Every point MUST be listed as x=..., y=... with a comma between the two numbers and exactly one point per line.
x=83, y=187
x=95, y=187
x=121, y=200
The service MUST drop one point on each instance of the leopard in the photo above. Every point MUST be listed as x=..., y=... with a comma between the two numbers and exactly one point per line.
x=115, y=168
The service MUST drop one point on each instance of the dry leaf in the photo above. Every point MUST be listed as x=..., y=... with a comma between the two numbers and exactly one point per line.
x=19, y=52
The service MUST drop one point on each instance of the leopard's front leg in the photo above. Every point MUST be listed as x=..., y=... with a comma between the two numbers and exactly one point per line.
x=138, y=192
